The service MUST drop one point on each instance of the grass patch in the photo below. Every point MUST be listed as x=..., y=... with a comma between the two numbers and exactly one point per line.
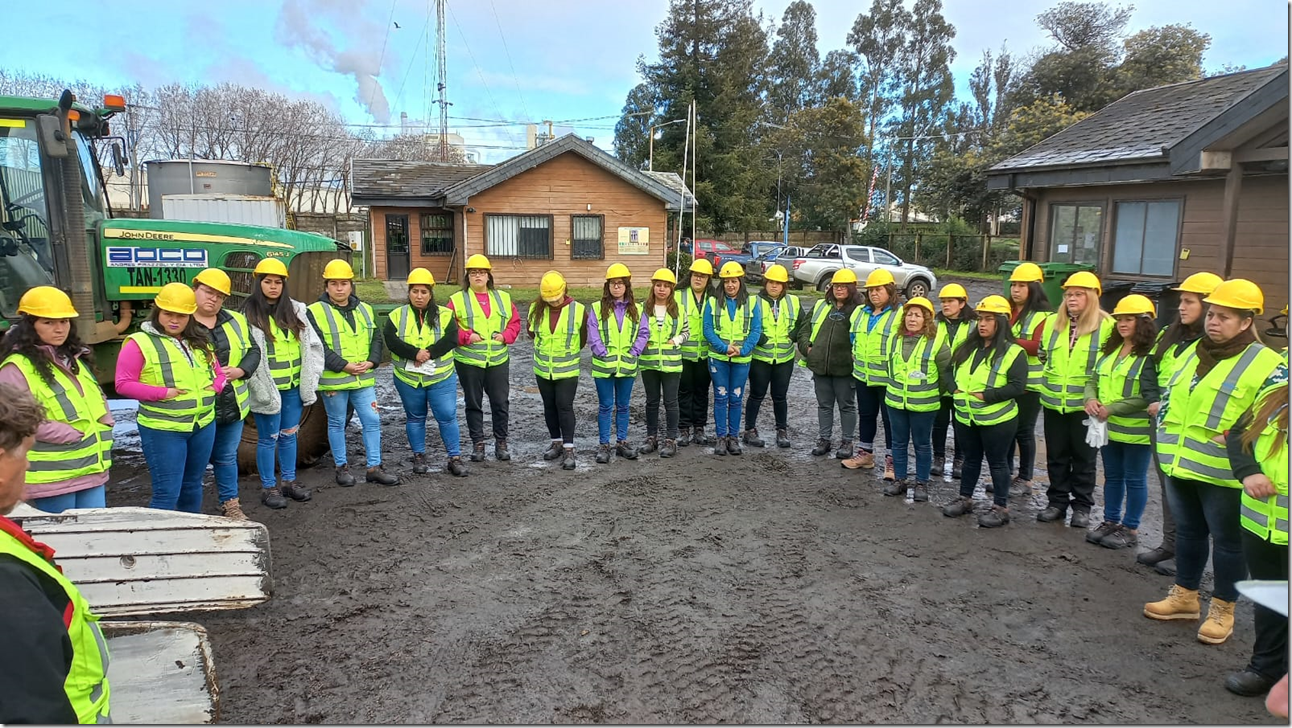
x=944, y=273
x=372, y=291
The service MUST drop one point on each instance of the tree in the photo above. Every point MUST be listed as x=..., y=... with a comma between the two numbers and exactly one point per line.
x=414, y=148
x=632, y=132
x=837, y=78
x=1082, y=66
x=819, y=148
x=794, y=62
x=1159, y=56
x=1030, y=125
x=928, y=88
x=1077, y=25
x=877, y=38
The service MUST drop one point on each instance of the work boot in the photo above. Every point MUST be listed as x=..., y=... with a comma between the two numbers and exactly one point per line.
x=478, y=452
x=233, y=509
x=455, y=467
x=845, y=450
x=956, y=464
x=1020, y=488
x=699, y=438
x=1122, y=538
x=888, y=468
x=720, y=448
x=862, y=459
x=273, y=498
x=419, y=464
x=650, y=446
x=292, y=489
x=554, y=450
x=1248, y=683
x=960, y=506
x=990, y=487
x=783, y=437
x=822, y=447
x=1180, y=603
x=733, y=446
x=603, y=453
x=669, y=449
x=750, y=437
x=1161, y=553
x=1080, y=519
x=897, y=487
x=500, y=450
x=1098, y=534
x=625, y=450
x=378, y=474
x=921, y=494
x=939, y=465
x=683, y=436
x=1051, y=514
x=1165, y=568
x=994, y=518
x=343, y=476
x=1219, y=623
x=567, y=460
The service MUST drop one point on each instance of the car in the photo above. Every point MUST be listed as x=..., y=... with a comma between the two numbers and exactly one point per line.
x=784, y=255
x=715, y=251
x=819, y=265
x=760, y=248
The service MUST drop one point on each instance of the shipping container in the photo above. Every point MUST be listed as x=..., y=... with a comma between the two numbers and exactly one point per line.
x=242, y=209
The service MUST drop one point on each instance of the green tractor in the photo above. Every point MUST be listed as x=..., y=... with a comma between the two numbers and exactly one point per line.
x=56, y=229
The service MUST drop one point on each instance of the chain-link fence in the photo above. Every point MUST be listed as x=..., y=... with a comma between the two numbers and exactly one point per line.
x=979, y=253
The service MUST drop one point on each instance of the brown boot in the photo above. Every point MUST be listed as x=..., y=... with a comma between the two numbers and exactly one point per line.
x=862, y=459
x=232, y=509
x=888, y=468
x=1219, y=623
x=1180, y=603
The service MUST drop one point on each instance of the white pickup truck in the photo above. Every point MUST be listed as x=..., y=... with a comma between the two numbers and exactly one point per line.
x=819, y=265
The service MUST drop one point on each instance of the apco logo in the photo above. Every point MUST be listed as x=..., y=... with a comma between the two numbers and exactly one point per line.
x=123, y=256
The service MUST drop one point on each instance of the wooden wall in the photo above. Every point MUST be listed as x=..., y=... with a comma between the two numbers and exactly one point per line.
x=438, y=265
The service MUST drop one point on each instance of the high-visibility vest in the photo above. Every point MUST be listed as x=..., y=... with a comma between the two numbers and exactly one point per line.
x=168, y=364
x=556, y=354
x=1196, y=415
x=618, y=339
x=283, y=351
x=471, y=317
x=352, y=342
x=815, y=321
x=1268, y=518
x=50, y=463
x=991, y=372
x=421, y=335
x=86, y=684
x=1171, y=358
x=695, y=348
x=731, y=329
x=660, y=354
x=238, y=333
x=870, y=343
x=1066, y=370
x=960, y=336
x=1022, y=330
x=1118, y=379
x=779, y=320
x=913, y=380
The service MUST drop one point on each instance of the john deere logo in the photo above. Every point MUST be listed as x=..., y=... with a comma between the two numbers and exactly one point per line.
x=122, y=256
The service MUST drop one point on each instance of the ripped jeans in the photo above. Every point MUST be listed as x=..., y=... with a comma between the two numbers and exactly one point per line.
x=729, y=379
x=276, y=434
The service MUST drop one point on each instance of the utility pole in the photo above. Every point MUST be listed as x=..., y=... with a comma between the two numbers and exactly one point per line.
x=441, y=81
x=651, y=164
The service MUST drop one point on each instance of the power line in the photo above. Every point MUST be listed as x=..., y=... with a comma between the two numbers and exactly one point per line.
x=389, y=22
x=479, y=72
x=400, y=96
x=507, y=52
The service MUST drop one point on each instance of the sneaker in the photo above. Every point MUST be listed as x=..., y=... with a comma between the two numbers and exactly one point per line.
x=897, y=487
x=500, y=451
x=1180, y=603
x=822, y=448
x=233, y=509
x=888, y=468
x=554, y=450
x=1080, y=519
x=669, y=449
x=1104, y=529
x=1121, y=538
x=419, y=463
x=845, y=450
x=733, y=446
x=921, y=494
x=292, y=489
x=603, y=453
x=343, y=476
x=378, y=474
x=625, y=450
x=1051, y=514
x=478, y=453
x=783, y=437
x=455, y=467
x=1219, y=624
x=273, y=498
x=683, y=436
x=994, y=518
x=750, y=437
x=567, y=460
x=650, y=446
x=939, y=465
x=862, y=459
x=962, y=505
x=720, y=447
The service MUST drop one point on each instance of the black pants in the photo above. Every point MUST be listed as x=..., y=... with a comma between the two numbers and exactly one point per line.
x=693, y=394
x=1270, y=650
x=1070, y=460
x=993, y=442
x=1029, y=408
x=942, y=423
x=777, y=376
x=870, y=409
x=1168, y=518
x=655, y=383
x=558, y=407
x=476, y=382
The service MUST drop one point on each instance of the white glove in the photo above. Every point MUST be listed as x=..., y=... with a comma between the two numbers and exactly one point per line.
x=1096, y=432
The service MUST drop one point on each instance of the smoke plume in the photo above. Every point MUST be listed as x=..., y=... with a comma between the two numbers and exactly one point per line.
x=299, y=26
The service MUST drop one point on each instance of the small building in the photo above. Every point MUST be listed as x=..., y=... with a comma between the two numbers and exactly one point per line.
x=566, y=205
x=1164, y=183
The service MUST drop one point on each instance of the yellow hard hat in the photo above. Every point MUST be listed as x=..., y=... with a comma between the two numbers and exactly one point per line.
x=420, y=277
x=666, y=275
x=702, y=266
x=777, y=273
x=922, y=302
x=478, y=262
x=1084, y=279
x=843, y=276
x=1135, y=305
x=1200, y=283
x=993, y=304
x=1238, y=293
x=731, y=269
x=618, y=270
x=338, y=270
x=879, y=277
x=46, y=302
x=1027, y=273
x=552, y=285
x=953, y=290
x=216, y=279
x=271, y=267
x=176, y=298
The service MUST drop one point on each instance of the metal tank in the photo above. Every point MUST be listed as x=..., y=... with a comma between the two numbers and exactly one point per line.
x=202, y=177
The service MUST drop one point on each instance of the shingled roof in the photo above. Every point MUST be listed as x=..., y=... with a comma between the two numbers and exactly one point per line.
x=376, y=181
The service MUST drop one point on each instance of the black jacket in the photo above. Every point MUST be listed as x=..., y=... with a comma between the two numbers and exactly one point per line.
x=400, y=348
x=226, y=403
x=38, y=652
x=332, y=359
x=1015, y=378
x=830, y=354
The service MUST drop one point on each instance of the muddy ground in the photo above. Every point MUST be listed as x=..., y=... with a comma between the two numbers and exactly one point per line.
x=769, y=588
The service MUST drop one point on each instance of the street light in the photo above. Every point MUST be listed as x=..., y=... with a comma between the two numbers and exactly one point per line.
x=651, y=166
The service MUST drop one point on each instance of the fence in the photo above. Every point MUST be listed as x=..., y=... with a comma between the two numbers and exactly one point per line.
x=981, y=253
x=804, y=238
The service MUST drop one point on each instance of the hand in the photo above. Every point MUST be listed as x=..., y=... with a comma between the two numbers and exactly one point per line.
x=732, y=350
x=365, y=366
x=1102, y=414
x=977, y=396
x=1258, y=486
x=422, y=356
x=232, y=373
x=172, y=393
x=498, y=338
x=355, y=367
x=1277, y=701
x=475, y=338
x=1092, y=407
x=1154, y=408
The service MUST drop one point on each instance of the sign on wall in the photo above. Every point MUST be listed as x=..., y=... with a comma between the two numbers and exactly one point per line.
x=634, y=241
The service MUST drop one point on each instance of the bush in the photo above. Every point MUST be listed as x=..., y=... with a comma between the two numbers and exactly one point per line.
x=673, y=260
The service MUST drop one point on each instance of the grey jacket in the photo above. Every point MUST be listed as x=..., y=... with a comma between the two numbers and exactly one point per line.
x=263, y=397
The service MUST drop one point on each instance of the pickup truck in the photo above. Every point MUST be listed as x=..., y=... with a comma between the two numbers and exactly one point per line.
x=819, y=265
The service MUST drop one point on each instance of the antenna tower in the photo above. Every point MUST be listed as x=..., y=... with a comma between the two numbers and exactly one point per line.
x=441, y=80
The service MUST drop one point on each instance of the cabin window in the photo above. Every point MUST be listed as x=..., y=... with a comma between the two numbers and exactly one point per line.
x=437, y=233
x=519, y=236
x=586, y=236
x=1145, y=237
x=1076, y=233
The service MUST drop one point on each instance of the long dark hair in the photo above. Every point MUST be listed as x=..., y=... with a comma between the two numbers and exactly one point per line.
x=720, y=293
x=1141, y=339
x=21, y=338
x=608, y=302
x=259, y=311
x=466, y=281
x=893, y=301
x=670, y=306
x=194, y=334
x=538, y=310
x=1037, y=301
x=1177, y=331
x=432, y=310
x=999, y=344
x=855, y=297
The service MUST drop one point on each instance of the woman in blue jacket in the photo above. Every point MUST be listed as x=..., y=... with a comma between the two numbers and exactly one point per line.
x=733, y=323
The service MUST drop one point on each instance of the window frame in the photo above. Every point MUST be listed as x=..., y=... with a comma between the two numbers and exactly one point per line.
x=1052, y=253
x=551, y=233
x=421, y=234
x=1179, y=230
x=601, y=243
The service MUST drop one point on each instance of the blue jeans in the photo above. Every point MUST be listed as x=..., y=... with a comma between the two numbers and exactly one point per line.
x=365, y=405
x=1204, y=510
x=728, y=388
x=442, y=398
x=177, y=461
x=613, y=393
x=224, y=459
x=915, y=428
x=1125, y=476
x=89, y=498
x=276, y=435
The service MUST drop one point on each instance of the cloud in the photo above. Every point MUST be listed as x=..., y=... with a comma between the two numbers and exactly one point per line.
x=299, y=26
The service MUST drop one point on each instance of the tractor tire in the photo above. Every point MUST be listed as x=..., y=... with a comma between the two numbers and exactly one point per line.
x=311, y=440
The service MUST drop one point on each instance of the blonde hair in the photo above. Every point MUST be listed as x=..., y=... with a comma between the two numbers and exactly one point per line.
x=1090, y=320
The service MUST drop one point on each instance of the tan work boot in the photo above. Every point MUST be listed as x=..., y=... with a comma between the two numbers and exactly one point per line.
x=1219, y=623
x=232, y=509
x=862, y=459
x=1180, y=603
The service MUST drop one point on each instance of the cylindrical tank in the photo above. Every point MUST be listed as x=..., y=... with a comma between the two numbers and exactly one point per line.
x=204, y=176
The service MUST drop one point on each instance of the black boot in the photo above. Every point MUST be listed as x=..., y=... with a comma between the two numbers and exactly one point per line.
x=683, y=436
x=751, y=438
x=669, y=449
x=921, y=494
x=897, y=487
x=1249, y=684
x=720, y=447
x=822, y=448
x=939, y=464
x=554, y=450
x=845, y=450
x=625, y=450
x=650, y=446
x=733, y=446
x=343, y=476
x=955, y=467
x=500, y=450
x=455, y=467
x=478, y=452
x=567, y=460
x=292, y=489
x=603, y=453
x=378, y=474
x=1051, y=514
x=783, y=437
x=273, y=498
x=419, y=463
x=699, y=438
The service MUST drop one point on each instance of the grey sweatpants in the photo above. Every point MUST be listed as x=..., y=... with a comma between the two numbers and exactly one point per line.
x=834, y=392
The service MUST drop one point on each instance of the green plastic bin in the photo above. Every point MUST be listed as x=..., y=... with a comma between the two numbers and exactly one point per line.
x=1055, y=275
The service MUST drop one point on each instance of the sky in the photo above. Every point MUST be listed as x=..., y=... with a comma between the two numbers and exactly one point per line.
x=509, y=61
